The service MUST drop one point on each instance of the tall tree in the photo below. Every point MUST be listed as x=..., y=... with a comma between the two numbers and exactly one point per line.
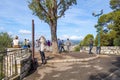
x=50, y=11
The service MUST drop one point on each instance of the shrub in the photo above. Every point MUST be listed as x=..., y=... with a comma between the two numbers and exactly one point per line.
x=77, y=48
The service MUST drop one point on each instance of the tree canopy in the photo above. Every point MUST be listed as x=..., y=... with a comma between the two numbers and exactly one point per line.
x=48, y=10
x=115, y=4
x=111, y=22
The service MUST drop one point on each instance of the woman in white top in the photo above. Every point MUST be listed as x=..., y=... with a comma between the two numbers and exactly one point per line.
x=16, y=42
x=42, y=49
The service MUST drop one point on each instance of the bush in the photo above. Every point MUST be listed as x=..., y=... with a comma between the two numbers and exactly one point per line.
x=77, y=48
x=5, y=41
x=117, y=42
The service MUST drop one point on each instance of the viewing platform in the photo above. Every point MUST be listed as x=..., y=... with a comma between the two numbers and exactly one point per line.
x=76, y=66
x=17, y=63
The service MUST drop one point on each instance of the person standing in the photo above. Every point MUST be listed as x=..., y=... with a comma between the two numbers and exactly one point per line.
x=37, y=43
x=62, y=46
x=59, y=45
x=48, y=45
x=90, y=46
x=42, y=49
x=98, y=49
x=68, y=44
x=29, y=44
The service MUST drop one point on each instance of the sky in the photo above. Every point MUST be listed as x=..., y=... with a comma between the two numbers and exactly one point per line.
x=16, y=19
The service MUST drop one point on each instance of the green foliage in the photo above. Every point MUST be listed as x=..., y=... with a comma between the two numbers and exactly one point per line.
x=81, y=43
x=115, y=4
x=112, y=36
x=5, y=41
x=1, y=67
x=50, y=10
x=86, y=40
x=116, y=19
x=103, y=39
x=106, y=18
x=112, y=22
x=106, y=39
x=117, y=41
x=77, y=48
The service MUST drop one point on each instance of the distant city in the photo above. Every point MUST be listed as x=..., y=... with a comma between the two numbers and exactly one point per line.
x=75, y=42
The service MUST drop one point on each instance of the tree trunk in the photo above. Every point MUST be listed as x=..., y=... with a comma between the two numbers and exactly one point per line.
x=53, y=26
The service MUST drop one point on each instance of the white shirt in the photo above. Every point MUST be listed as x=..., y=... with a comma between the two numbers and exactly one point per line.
x=42, y=44
x=15, y=42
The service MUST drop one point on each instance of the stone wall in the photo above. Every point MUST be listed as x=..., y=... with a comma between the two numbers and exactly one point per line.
x=104, y=49
x=24, y=65
x=17, y=63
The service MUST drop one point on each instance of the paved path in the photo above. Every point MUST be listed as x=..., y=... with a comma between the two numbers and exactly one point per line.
x=104, y=67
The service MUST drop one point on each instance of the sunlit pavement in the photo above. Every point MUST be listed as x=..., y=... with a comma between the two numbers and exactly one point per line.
x=105, y=67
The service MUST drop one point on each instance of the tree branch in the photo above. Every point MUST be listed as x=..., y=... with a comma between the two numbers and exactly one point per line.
x=40, y=6
x=59, y=3
x=63, y=11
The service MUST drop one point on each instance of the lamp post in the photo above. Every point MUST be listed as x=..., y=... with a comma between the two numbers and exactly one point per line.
x=98, y=30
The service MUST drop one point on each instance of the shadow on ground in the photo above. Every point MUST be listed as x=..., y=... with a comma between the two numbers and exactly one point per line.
x=34, y=66
x=50, y=58
x=114, y=73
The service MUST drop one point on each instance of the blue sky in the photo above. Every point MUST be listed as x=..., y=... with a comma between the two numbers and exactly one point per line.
x=16, y=18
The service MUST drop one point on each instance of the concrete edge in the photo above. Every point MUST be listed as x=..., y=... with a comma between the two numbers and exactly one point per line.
x=72, y=60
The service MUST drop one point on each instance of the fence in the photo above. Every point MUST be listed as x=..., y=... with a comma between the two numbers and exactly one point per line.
x=9, y=61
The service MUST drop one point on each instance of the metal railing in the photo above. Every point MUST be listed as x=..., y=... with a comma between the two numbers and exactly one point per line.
x=8, y=62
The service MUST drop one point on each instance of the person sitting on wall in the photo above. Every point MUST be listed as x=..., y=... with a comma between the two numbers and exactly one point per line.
x=16, y=42
x=25, y=44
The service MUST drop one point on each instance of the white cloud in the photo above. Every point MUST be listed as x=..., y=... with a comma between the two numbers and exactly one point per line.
x=64, y=37
x=24, y=31
x=72, y=37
